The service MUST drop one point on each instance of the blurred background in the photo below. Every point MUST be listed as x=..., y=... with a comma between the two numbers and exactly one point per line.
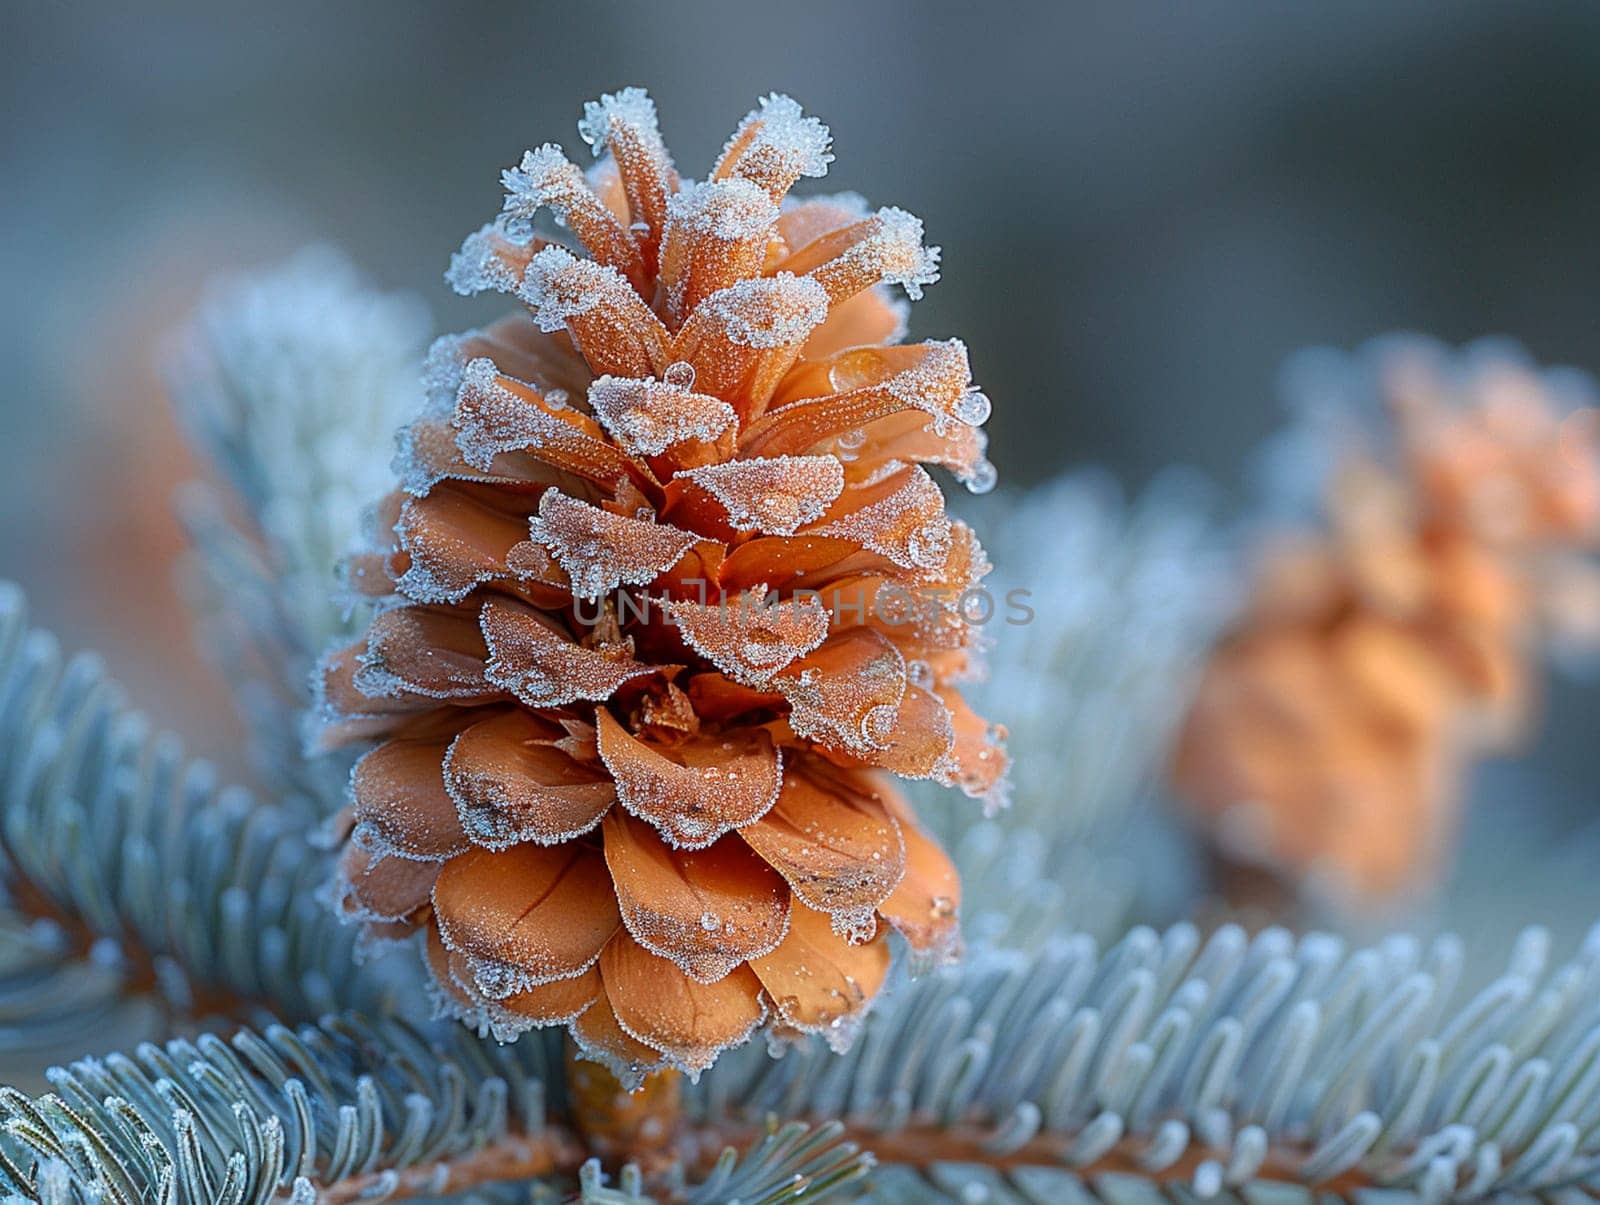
x=1144, y=209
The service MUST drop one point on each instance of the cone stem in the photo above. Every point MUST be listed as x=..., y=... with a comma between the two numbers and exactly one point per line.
x=621, y=1126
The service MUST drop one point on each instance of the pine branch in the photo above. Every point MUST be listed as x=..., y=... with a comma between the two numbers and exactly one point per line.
x=1198, y=1067
x=127, y=870
x=355, y=1110
x=782, y=1163
x=341, y=1111
x=1203, y=1066
x=291, y=383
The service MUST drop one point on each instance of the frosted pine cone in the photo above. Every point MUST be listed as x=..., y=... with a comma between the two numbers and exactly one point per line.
x=668, y=589
x=1380, y=656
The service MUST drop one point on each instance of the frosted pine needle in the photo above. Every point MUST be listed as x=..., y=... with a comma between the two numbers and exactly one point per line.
x=292, y=382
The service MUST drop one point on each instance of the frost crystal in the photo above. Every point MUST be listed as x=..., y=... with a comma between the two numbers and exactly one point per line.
x=412, y=651
x=908, y=525
x=496, y=414
x=777, y=496
x=601, y=551
x=559, y=286
x=940, y=384
x=544, y=178
x=423, y=446
x=883, y=249
x=547, y=179
x=543, y=667
x=847, y=694
x=778, y=311
x=483, y=264
x=510, y=783
x=443, y=369
x=717, y=234
x=752, y=636
x=698, y=790
x=647, y=417
x=453, y=543
x=490, y=419
x=629, y=108
x=730, y=211
x=776, y=144
x=898, y=246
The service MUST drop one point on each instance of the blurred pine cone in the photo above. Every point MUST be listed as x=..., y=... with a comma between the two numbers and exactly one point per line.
x=669, y=544
x=1381, y=654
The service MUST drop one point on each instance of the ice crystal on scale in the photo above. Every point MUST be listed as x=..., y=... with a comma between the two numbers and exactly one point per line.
x=659, y=609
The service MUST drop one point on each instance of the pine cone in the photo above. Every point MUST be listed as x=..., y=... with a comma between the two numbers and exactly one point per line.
x=666, y=590
x=1332, y=728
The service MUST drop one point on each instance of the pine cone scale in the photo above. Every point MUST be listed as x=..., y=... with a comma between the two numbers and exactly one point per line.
x=707, y=910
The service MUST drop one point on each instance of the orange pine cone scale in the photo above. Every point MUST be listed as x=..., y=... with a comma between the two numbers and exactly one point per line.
x=666, y=597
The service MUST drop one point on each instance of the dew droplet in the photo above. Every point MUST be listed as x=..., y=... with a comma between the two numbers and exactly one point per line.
x=929, y=544
x=679, y=374
x=878, y=724
x=852, y=440
x=920, y=674
x=973, y=408
x=710, y=921
x=982, y=477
